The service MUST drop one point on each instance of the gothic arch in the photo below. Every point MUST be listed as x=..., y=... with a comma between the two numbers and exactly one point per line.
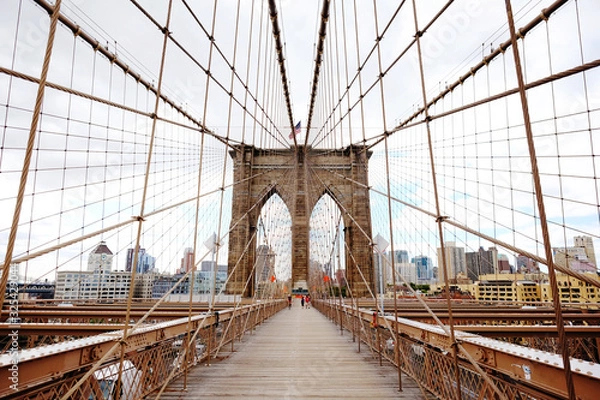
x=301, y=177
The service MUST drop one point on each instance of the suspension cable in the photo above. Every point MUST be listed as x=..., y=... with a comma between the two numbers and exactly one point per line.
x=318, y=61
x=562, y=339
x=281, y=61
x=29, y=151
x=388, y=189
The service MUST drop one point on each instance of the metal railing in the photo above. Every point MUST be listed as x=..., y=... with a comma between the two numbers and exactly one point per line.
x=154, y=356
x=425, y=355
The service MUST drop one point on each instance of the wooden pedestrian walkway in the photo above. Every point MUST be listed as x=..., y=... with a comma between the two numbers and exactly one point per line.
x=297, y=354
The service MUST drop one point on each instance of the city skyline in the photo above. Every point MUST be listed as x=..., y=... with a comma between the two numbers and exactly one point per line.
x=489, y=202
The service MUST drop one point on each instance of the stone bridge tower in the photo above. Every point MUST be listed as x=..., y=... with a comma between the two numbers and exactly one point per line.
x=300, y=177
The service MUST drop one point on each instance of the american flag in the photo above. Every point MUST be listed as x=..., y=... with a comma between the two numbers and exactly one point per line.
x=297, y=130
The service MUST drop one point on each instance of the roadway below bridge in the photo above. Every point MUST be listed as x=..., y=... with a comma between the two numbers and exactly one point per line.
x=296, y=354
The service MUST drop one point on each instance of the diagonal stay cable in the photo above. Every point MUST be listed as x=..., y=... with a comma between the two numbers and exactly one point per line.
x=125, y=335
x=429, y=310
x=522, y=32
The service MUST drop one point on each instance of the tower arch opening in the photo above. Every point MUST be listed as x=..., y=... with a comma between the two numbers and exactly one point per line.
x=273, y=266
x=326, y=244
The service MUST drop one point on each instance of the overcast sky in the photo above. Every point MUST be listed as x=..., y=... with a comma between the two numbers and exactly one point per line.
x=480, y=153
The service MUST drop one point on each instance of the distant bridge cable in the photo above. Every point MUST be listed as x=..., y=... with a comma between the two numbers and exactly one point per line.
x=281, y=60
x=563, y=343
x=389, y=201
x=207, y=70
x=318, y=62
x=498, y=51
x=141, y=320
x=358, y=75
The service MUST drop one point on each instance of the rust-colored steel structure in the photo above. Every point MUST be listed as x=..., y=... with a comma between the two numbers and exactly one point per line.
x=152, y=353
x=453, y=350
x=517, y=371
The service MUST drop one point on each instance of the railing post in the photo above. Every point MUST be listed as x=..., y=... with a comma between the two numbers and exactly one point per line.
x=360, y=326
x=209, y=344
x=340, y=314
x=353, y=321
x=379, y=345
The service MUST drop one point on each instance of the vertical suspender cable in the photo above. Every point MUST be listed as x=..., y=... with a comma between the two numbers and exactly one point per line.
x=280, y=59
x=440, y=220
x=140, y=218
x=562, y=339
x=359, y=75
x=225, y=158
x=247, y=78
x=346, y=72
x=389, y=200
x=206, y=93
x=338, y=74
x=437, y=207
x=29, y=150
x=192, y=278
x=318, y=61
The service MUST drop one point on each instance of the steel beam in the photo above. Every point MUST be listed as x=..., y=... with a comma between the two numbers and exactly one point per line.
x=532, y=368
x=575, y=331
x=39, y=366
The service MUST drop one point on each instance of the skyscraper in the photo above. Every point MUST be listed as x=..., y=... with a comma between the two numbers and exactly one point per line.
x=187, y=262
x=145, y=262
x=481, y=262
x=400, y=256
x=424, y=266
x=455, y=260
x=581, y=252
x=504, y=264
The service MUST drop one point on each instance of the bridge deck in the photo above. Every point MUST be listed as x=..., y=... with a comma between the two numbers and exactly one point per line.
x=297, y=354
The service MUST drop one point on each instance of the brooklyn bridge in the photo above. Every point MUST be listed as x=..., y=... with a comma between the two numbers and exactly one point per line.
x=284, y=199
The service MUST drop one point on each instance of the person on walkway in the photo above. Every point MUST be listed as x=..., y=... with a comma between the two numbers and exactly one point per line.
x=302, y=301
x=290, y=302
x=308, y=301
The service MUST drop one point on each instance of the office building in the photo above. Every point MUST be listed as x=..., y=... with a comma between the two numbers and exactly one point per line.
x=100, y=258
x=145, y=263
x=455, y=261
x=481, y=262
x=424, y=267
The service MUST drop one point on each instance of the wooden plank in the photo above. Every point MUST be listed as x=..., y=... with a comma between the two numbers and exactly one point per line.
x=299, y=354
